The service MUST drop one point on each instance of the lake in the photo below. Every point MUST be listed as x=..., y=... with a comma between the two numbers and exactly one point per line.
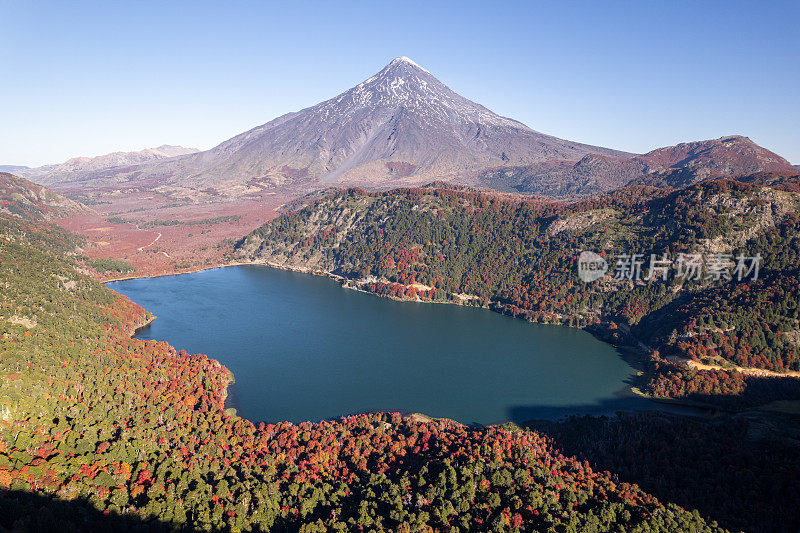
x=301, y=347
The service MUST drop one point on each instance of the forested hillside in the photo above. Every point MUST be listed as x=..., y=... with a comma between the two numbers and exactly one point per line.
x=97, y=428
x=31, y=201
x=521, y=258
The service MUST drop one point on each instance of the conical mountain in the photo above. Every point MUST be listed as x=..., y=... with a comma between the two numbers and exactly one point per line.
x=401, y=125
x=401, y=121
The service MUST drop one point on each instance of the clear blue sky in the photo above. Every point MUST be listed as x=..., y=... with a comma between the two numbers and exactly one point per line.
x=83, y=78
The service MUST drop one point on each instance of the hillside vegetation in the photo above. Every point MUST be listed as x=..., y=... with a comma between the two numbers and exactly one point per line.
x=98, y=425
x=520, y=258
x=30, y=201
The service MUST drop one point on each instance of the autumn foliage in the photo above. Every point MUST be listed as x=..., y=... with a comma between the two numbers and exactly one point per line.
x=138, y=430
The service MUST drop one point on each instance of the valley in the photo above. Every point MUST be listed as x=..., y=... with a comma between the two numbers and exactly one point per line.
x=156, y=235
x=143, y=388
x=178, y=419
x=140, y=434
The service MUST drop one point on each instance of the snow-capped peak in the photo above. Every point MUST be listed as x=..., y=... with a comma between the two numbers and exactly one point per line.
x=401, y=123
x=403, y=84
x=404, y=59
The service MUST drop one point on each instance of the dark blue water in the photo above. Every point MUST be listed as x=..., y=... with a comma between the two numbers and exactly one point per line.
x=303, y=348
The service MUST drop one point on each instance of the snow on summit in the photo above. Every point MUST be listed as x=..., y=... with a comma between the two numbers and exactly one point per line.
x=401, y=125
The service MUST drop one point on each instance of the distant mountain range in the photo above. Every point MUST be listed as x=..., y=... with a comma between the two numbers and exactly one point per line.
x=83, y=167
x=403, y=126
x=12, y=168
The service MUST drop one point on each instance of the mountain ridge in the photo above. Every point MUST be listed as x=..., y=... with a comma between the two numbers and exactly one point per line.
x=404, y=127
x=81, y=165
x=13, y=168
x=730, y=156
x=33, y=202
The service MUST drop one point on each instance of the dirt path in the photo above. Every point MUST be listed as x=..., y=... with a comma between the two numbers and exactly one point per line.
x=759, y=372
x=139, y=249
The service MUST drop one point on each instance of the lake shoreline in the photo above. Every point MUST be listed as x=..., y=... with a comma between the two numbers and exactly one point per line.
x=155, y=295
x=192, y=270
x=634, y=356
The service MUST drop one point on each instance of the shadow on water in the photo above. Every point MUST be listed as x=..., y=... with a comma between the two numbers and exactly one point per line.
x=609, y=407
